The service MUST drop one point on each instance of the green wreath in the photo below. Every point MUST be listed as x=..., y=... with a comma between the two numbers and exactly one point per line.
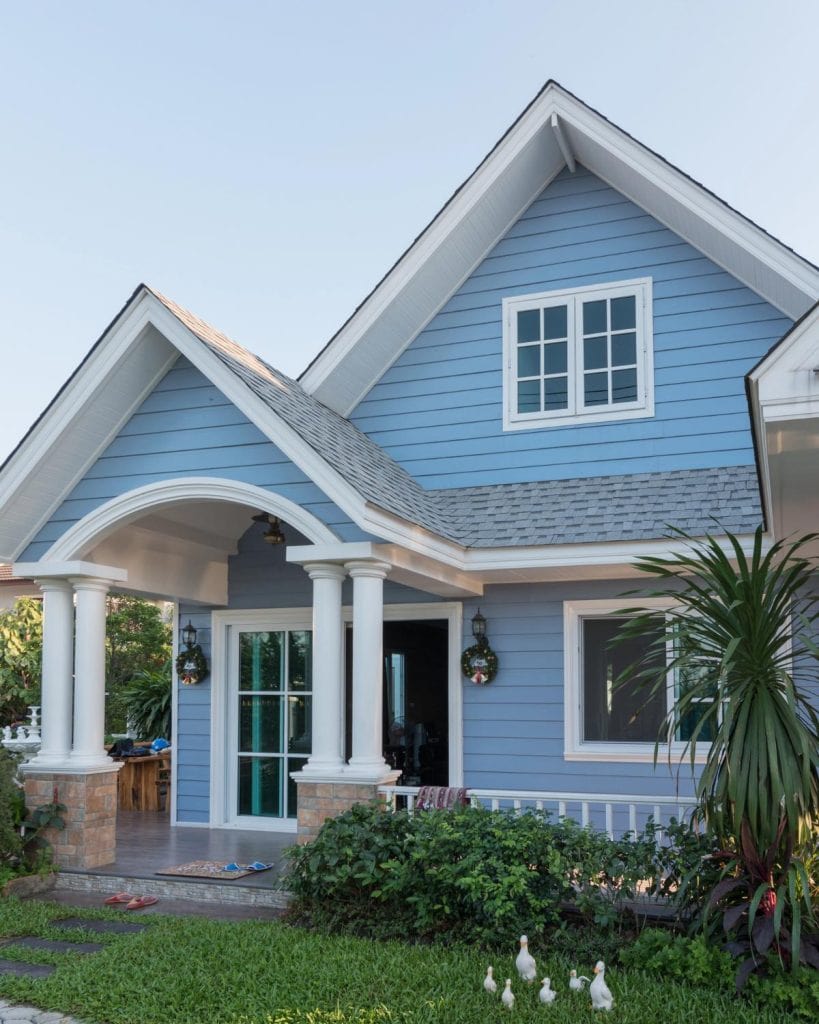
x=192, y=666
x=479, y=663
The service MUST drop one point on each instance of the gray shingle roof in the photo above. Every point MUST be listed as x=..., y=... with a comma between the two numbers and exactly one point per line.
x=640, y=506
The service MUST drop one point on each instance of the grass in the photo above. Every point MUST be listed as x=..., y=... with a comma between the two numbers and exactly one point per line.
x=212, y=972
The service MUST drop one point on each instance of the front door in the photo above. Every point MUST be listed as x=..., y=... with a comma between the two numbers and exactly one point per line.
x=270, y=722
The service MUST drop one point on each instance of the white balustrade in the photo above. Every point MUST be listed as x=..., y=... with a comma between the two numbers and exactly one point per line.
x=612, y=813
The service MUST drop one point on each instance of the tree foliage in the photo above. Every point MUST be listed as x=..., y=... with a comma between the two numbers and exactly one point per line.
x=21, y=647
x=137, y=641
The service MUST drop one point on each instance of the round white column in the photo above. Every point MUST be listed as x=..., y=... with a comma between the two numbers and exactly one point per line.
x=327, y=757
x=88, y=749
x=367, y=761
x=58, y=673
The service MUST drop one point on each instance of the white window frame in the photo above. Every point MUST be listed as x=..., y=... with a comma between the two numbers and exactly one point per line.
x=576, y=413
x=575, y=748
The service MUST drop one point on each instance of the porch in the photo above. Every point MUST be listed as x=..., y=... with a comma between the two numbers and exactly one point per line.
x=147, y=844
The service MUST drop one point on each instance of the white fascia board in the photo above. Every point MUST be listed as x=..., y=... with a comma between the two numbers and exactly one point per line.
x=646, y=173
x=578, y=555
x=280, y=433
x=26, y=469
x=456, y=210
x=65, y=570
x=651, y=169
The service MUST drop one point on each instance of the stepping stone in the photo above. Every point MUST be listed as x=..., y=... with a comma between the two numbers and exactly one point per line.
x=26, y=970
x=98, y=926
x=54, y=945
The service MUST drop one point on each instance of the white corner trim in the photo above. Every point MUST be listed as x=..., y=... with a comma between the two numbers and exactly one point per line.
x=120, y=510
x=563, y=143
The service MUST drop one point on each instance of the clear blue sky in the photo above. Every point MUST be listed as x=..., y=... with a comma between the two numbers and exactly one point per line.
x=264, y=163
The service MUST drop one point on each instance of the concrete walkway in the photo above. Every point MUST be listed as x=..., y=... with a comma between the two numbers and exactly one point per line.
x=10, y=1014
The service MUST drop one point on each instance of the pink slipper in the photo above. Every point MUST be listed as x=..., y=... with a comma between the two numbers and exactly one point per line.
x=120, y=897
x=138, y=902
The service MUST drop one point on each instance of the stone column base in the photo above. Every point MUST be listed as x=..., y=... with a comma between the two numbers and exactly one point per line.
x=318, y=801
x=89, y=838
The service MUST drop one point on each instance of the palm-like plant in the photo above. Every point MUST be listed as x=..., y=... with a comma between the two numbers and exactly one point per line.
x=741, y=636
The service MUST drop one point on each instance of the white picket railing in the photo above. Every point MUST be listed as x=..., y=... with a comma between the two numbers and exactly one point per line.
x=613, y=813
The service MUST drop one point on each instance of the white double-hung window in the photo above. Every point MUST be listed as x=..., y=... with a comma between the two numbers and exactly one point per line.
x=583, y=355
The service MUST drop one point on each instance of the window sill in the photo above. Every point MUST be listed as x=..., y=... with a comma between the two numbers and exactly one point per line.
x=616, y=753
x=516, y=421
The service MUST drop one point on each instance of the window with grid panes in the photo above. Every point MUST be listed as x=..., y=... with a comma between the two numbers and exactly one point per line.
x=579, y=355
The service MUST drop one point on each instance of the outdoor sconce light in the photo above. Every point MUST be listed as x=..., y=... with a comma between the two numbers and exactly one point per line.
x=274, y=534
x=479, y=626
x=479, y=663
x=191, y=664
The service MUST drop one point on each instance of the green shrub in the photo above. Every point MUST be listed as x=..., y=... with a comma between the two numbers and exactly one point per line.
x=147, y=702
x=690, y=960
x=12, y=809
x=469, y=875
x=782, y=990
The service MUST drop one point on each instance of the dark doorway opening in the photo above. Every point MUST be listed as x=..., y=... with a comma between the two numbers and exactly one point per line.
x=416, y=700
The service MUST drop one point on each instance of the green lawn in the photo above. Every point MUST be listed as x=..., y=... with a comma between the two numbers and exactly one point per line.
x=209, y=972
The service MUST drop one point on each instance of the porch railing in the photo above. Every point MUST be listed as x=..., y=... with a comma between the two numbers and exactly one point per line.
x=613, y=813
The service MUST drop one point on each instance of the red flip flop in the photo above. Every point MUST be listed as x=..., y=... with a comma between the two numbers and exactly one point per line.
x=120, y=897
x=138, y=902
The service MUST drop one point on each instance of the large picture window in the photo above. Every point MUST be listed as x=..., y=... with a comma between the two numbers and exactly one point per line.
x=583, y=355
x=604, y=721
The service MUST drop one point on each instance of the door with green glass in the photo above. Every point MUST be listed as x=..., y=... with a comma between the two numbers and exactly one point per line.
x=271, y=721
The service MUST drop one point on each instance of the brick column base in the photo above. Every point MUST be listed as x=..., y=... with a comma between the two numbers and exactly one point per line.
x=89, y=838
x=318, y=801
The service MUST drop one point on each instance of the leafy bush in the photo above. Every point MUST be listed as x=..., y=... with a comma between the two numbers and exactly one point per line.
x=21, y=646
x=148, y=703
x=12, y=808
x=690, y=960
x=470, y=875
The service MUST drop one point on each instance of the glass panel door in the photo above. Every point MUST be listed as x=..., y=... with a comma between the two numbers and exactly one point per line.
x=274, y=719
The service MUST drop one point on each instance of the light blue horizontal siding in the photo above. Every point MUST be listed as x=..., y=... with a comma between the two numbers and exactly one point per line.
x=192, y=753
x=438, y=410
x=186, y=427
x=513, y=729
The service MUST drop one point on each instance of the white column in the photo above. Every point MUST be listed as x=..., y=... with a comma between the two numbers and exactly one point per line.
x=327, y=756
x=88, y=749
x=58, y=673
x=367, y=761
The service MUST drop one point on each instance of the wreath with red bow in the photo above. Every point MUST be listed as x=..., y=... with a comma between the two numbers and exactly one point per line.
x=192, y=665
x=479, y=663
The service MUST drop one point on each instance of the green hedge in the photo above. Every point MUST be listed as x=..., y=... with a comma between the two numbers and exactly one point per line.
x=467, y=875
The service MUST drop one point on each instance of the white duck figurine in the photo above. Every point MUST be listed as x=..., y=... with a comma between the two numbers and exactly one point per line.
x=601, y=997
x=577, y=984
x=507, y=997
x=489, y=983
x=525, y=962
x=547, y=994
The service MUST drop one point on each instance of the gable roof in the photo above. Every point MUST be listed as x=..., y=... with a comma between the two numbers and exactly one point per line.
x=554, y=131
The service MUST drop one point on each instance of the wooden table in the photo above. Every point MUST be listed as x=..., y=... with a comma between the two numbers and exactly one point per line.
x=138, y=782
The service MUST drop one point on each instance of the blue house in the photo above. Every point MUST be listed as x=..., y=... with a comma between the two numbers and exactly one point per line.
x=582, y=347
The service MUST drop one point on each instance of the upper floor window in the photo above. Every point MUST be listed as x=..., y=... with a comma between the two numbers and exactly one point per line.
x=583, y=355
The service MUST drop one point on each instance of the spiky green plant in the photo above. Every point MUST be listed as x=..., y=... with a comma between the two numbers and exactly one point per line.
x=742, y=637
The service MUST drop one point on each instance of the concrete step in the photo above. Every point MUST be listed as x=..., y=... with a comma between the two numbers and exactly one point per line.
x=196, y=890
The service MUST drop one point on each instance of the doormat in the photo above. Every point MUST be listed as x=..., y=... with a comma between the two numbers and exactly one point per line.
x=214, y=869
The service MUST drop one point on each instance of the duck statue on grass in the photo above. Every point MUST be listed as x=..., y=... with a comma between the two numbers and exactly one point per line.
x=489, y=983
x=577, y=984
x=601, y=996
x=507, y=996
x=525, y=962
x=547, y=994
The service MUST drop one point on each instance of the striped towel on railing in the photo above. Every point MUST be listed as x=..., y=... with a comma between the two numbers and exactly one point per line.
x=440, y=798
